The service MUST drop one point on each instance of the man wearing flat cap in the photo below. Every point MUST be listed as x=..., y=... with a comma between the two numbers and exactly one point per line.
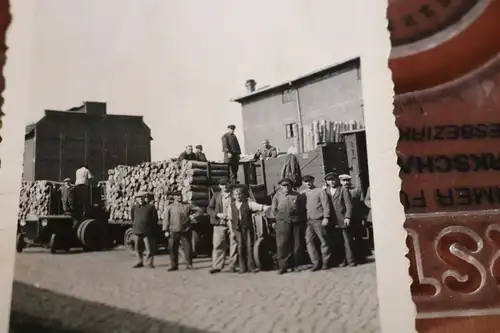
x=318, y=212
x=177, y=226
x=219, y=210
x=359, y=211
x=341, y=203
x=288, y=207
x=144, y=225
x=200, y=155
x=232, y=152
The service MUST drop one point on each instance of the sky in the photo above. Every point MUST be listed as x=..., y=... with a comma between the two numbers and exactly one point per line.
x=179, y=63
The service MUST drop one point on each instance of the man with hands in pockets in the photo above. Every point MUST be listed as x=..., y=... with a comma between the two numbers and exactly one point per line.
x=177, y=227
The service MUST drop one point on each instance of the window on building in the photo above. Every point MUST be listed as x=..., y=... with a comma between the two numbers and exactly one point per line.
x=287, y=96
x=289, y=131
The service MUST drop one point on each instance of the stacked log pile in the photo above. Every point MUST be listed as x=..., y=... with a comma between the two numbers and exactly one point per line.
x=327, y=131
x=36, y=197
x=160, y=179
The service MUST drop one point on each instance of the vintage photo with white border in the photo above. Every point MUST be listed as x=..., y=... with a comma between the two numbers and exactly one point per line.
x=204, y=168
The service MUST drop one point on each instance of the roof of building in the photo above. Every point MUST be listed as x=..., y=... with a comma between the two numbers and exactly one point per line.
x=268, y=90
x=30, y=128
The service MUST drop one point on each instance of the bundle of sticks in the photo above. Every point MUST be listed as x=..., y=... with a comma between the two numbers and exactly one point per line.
x=36, y=197
x=160, y=179
x=325, y=131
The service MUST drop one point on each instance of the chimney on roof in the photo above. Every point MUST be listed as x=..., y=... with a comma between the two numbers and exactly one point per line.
x=250, y=85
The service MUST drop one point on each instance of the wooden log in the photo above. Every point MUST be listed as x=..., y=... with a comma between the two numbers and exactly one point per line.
x=189, y=196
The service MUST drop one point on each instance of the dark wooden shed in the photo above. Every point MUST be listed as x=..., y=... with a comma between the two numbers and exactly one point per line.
x=62, y=141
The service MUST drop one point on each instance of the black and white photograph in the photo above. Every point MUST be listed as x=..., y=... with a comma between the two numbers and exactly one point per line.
x=195, y=167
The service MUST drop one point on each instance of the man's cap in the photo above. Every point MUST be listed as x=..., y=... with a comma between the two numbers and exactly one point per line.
x=308, y=178
x=345, y=176
x=224, y=181
x=199, y=147
x=141, y=194
x=67, y=180
x=266, y=142
x=233, y=127
x=331, y=176
x=176, y=193
x=285, y=181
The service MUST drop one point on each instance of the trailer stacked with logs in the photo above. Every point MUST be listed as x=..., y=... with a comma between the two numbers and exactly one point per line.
x=197, y=181
x=43, y=223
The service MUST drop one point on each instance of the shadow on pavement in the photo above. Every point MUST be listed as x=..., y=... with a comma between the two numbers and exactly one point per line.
x=39, y=310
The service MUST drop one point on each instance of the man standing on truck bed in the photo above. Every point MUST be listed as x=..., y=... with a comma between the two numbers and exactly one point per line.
x=232, y=152
x=83, y=177
x=144, y=225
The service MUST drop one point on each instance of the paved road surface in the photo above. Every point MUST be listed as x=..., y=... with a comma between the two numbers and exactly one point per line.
x=99, y=292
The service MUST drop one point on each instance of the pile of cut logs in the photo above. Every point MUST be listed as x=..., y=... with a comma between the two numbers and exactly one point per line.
x=160, y=179
x=36, y=197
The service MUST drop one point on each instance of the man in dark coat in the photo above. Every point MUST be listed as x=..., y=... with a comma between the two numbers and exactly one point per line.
x=341, y=203
x=200, y=155
x=66, y=191
x=219, y=210
x=145, y=223
x=177, y=226
x=358, y=215
x=232, y=152
x=288, y=206
x=188, y=154
x=266, y=152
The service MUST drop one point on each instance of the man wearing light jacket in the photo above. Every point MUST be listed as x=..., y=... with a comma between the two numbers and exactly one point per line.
x=318, y=212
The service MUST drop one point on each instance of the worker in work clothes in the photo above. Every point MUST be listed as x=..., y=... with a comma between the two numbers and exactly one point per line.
x=232, y=152
x=358, y=215
x=318, y=212
x=200, y=155
x=223, y=236
x=341, y=203
x=288, y=207
x=66, y=191
x=188, y=154
x=266, y=152
x=177, y=227
x=242, y=226
x=145, y=223
x=83, y=176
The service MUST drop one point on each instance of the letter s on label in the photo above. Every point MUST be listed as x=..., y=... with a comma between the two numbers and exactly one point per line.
x=460, y=254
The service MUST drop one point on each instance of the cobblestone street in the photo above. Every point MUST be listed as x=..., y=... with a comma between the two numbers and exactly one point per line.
x=100, y=292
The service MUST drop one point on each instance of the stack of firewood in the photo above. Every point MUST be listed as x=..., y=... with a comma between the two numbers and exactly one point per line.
x=35, y=198
x=160, y=179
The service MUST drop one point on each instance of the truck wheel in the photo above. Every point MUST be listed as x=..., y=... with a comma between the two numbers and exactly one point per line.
x=129, y=241
x=53, y=244
x=20, y=243
x=263, y=255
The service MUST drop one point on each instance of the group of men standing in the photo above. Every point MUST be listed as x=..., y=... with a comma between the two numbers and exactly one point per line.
x=75, y=198
x=326, y=213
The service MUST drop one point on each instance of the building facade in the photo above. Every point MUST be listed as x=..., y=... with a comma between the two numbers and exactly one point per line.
x=332, y=94
x=59, y=143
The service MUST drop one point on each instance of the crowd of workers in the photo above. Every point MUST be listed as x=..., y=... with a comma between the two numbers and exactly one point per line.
x=304, y=214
